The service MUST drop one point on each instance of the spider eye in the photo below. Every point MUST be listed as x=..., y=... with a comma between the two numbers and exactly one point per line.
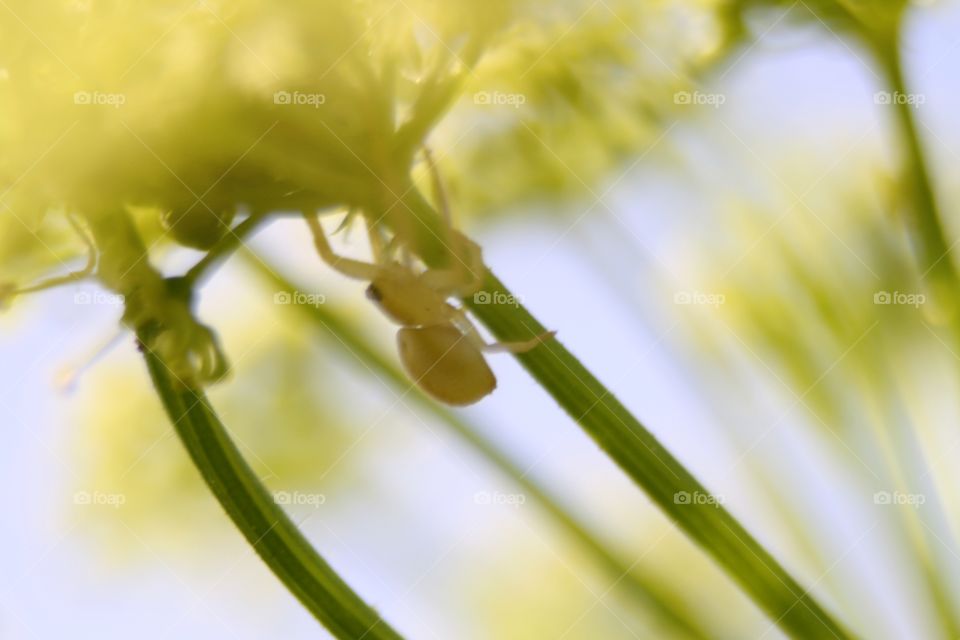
x=374, y=293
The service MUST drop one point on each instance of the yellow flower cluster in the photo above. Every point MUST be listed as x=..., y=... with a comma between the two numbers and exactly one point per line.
x=196, y=108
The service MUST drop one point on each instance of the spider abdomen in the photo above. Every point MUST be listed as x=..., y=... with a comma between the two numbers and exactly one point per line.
x=444, y=363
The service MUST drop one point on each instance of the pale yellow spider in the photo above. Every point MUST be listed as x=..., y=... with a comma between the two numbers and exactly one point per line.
x=440, y=348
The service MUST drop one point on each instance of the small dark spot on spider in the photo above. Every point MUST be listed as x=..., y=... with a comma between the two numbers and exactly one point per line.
x=374, y=293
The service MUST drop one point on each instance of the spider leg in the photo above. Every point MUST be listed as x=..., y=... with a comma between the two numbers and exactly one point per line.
x=347, y=221
x=347, y=266
x=466, y=277
x=462, y=322
x=438, y=190
x=8, y=292
x=379, y=249
x=463, y=279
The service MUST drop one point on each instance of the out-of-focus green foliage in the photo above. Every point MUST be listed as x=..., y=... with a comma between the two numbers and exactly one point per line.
x=188, y=112
x=195, y=109
x=796, y=306
x=571, y=95
x=114, y=120
x=876, y=22
x=30, y=249
x=184, y=113
x=290, y=430
x=830, y=303
x=814, y=287
x=566, y=609
x=531, y=589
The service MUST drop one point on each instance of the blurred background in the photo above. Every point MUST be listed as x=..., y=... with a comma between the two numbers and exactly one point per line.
x=713, y=225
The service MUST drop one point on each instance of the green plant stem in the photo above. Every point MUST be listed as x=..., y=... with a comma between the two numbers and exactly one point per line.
x=125, y=268
x=881, y=426
x=631, y=581
x=227, y=244
x=263, y=523
x=929, y=238
x=935, y=264
x=632, y=447
x=657, y=472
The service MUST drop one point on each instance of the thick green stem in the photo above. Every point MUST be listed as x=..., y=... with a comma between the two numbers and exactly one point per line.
x=630, y=581
x=263, y=523
x=657, y=472
x=230, y=242
x=124, y=267
x=634, y=448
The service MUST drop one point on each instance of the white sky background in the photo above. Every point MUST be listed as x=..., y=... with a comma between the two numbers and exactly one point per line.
x=54, y=581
